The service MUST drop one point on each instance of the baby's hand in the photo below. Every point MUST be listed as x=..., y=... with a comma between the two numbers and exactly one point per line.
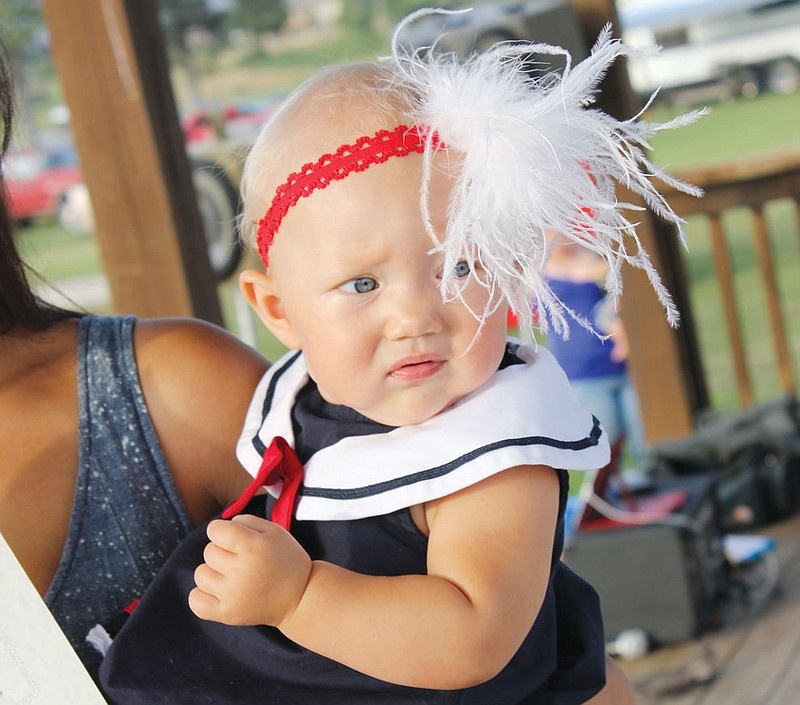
x=254, y=573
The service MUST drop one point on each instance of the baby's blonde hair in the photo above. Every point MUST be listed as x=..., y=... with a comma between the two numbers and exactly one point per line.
x=332, y=108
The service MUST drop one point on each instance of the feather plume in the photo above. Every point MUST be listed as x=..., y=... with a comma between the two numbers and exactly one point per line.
x=536, y=157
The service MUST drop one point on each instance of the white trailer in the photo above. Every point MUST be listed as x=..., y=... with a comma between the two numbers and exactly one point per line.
x=739, y=46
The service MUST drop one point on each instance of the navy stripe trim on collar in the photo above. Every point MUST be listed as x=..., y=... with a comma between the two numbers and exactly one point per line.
x=258, y=444
x=380, y=487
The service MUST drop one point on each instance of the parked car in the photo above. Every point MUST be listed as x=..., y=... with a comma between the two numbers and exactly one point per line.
x=215, y=174
x=480, y=27
x=216, y=166
x=37, y=179
x=228, y=121
x=216, y=143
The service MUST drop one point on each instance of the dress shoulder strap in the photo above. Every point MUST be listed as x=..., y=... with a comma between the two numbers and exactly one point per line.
x=127, y=515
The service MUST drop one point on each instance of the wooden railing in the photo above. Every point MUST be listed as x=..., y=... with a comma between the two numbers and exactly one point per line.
x=750, y=183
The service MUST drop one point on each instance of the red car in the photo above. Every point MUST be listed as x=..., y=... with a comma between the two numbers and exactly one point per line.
x=211, y=125
x=36, y=181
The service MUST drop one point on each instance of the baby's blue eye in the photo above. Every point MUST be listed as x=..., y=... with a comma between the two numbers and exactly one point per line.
x=360, y=285
x=462, y=269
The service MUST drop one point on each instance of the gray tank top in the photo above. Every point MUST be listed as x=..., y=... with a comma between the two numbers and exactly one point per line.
x=127, y=516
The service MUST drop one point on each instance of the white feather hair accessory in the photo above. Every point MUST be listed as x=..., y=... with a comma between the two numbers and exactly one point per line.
x=536, y=159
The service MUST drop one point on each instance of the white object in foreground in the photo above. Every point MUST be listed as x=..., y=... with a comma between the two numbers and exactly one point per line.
x=37, y=663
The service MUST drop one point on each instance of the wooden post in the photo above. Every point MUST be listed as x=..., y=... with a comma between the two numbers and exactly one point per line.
x=665, y=364
x=724, y=269
x=773, y=299
x=113, y=68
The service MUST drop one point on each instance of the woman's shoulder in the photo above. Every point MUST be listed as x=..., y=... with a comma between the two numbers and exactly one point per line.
x=197, y=381
x=195, y=359
x=183, y=341
x=195, y=368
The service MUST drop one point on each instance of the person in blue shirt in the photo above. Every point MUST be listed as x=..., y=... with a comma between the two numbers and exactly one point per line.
x=595, y=356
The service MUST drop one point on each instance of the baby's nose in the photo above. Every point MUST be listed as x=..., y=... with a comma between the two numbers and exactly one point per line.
x=415, y=312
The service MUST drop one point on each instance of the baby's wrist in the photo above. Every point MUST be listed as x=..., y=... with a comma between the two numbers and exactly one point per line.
x=302, y=578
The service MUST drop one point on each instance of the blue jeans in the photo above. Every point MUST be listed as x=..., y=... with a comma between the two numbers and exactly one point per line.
x=614, y=401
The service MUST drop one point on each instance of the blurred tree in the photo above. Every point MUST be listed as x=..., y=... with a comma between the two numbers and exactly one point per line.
x=21, y=21
x=358, y=14
x=180, y=18
x=379, y=16
x=252, y=18
x=398, y=9
x=257, y=16
x=23, y=27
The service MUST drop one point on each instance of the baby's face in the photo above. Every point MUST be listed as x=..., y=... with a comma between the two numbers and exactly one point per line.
x=361, y=292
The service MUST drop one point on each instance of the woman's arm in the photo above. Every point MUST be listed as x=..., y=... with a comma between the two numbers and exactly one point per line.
x=197, y=380
x=489, y=557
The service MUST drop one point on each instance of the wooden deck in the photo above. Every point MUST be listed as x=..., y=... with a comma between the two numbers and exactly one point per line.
x=753, y=659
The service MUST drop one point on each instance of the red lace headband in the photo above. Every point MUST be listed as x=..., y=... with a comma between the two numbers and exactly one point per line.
x=365, y=151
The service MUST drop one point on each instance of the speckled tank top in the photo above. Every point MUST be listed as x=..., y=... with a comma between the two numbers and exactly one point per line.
x=127, y=515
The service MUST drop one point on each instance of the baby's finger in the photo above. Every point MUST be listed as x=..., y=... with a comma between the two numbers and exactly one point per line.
x=254, y=523
x=217, y=557
x=202, y=604
x=207, y=579
x=227, y=534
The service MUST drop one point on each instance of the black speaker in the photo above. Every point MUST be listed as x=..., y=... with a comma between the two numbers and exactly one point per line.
x=664, y=578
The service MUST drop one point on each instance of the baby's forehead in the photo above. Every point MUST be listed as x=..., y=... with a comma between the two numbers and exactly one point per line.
x=332, y=131
x=341, y=107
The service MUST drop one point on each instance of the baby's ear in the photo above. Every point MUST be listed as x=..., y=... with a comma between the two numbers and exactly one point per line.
x=259, y=290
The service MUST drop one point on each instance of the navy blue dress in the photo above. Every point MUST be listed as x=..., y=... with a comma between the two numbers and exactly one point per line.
x=164, y=654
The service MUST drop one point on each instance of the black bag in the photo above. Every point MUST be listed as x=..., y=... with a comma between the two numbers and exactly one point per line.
x=755, y=454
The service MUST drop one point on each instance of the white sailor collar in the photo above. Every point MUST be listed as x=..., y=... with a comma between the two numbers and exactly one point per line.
x=526, y=414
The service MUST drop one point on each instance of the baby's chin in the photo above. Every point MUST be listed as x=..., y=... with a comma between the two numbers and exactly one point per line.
x=404, y=417
x=396, y=414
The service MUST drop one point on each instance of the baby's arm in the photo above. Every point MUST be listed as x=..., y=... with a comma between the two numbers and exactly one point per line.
x=489, y=558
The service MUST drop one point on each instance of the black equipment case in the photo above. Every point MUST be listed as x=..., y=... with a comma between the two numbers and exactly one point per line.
x=663, y=577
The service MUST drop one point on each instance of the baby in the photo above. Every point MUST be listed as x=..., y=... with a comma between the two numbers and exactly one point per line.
x=408, y=548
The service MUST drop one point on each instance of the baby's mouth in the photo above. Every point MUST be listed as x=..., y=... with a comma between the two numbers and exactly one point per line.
x=412, y=369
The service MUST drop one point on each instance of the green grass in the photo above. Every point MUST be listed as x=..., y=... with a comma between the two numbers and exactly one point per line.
x=56, y=254
x=732, y=130
x=706, y=302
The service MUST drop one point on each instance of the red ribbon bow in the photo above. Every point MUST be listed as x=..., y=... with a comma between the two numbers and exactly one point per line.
x=279, y=462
